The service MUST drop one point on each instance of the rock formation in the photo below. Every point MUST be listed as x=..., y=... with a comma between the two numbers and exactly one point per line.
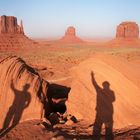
x=113, y=92
x=12, y=35
x=127, y=30
x=70, y=36
x=8, y=24
x=15, y=41
x=20, y=85
x=70, y=32
x=24, y=95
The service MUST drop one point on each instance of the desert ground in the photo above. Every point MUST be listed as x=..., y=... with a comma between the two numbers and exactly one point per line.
x=71, y=65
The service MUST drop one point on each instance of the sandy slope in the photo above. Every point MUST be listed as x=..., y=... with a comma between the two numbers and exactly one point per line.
x=124, y=81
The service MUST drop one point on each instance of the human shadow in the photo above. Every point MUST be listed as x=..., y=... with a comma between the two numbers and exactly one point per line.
x=21, y=101
x=104, y=109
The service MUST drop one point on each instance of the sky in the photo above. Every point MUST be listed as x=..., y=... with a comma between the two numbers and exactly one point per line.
x=91, y=18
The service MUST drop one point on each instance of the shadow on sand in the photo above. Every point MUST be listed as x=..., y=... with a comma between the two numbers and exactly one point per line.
x=21, y=101
x=104, y=109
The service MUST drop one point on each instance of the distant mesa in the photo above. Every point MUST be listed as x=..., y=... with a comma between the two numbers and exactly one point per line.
x=70, y=31
x=127, y=30
x=8, y=24
x=12, y=35
x=127, y=35
x=70, y=36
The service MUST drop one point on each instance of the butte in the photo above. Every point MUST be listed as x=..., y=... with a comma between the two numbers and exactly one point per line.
x=12, y=35
x=127, y=34
x=70, y=36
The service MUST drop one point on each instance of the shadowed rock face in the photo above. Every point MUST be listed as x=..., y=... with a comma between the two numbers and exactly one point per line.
x=8, y=24
x=25, y=95
x=127, y=30
x=20, y=87
x=70, y=36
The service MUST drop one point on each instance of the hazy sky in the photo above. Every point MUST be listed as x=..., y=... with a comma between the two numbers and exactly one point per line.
x=92, y=18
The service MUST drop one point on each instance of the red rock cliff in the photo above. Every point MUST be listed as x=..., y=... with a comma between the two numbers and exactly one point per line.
x=70, y=31
x=127, y=30
x=70, y=36
x=8, y=24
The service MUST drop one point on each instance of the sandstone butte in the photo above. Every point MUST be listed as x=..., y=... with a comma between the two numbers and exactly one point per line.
x=70, y=36
x=127, y=30
x=127, y=34
x=12, y=35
